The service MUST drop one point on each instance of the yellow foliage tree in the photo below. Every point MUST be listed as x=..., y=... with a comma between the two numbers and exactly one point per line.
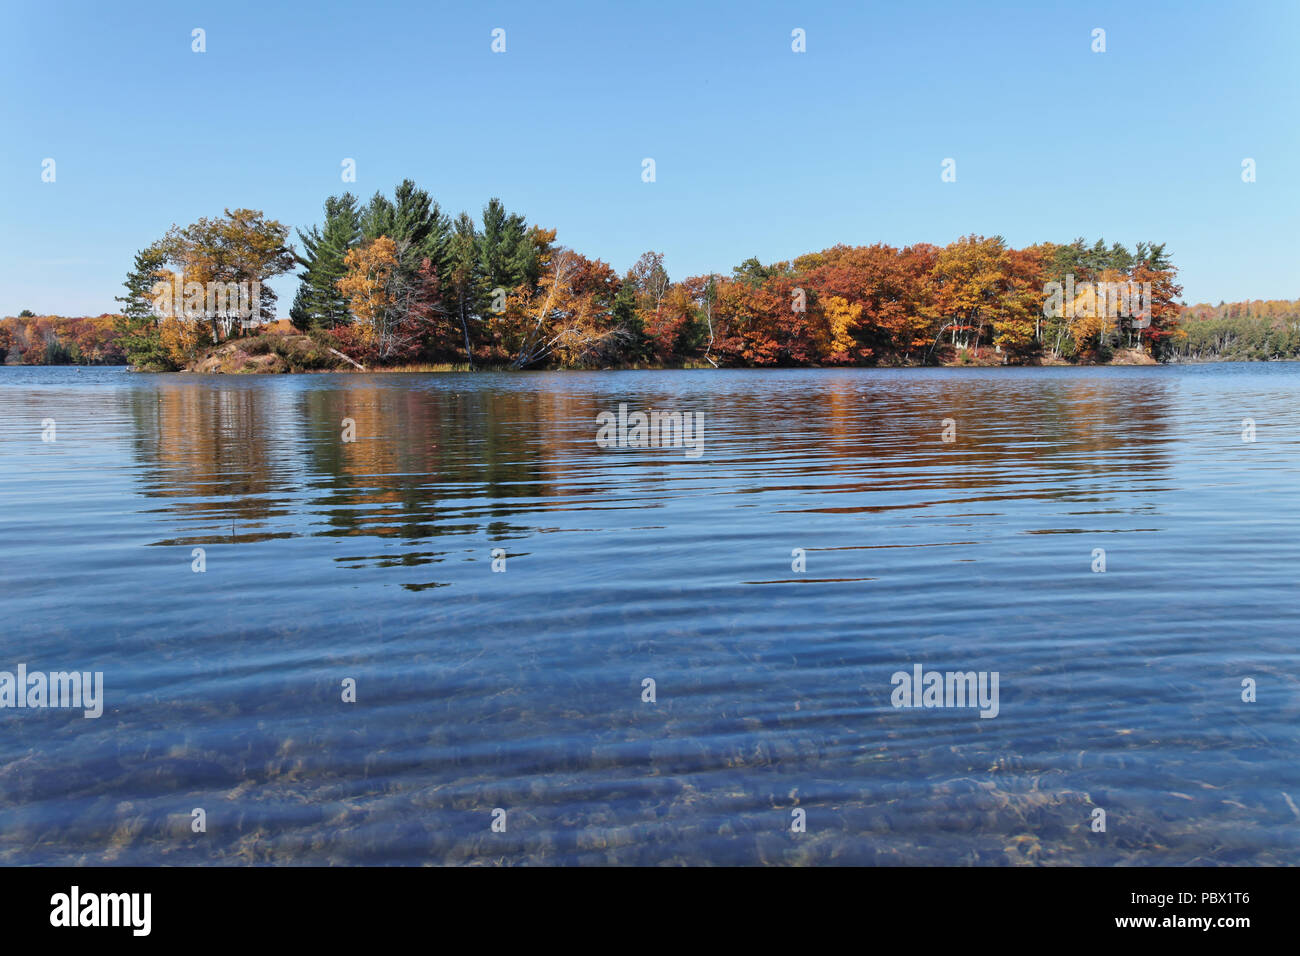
x=842, y=318
x=367, y=285
x=561, y=319
x=969, y=274
x=181, y=340
x=1096, y=319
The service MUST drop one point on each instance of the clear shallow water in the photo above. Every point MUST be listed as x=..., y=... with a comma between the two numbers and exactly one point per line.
x=522, y=690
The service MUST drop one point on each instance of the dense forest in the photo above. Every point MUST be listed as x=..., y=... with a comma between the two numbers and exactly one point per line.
x=397, y=282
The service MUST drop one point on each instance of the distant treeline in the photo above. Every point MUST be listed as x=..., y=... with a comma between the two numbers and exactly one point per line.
x=29, y=339
x=1253, y=331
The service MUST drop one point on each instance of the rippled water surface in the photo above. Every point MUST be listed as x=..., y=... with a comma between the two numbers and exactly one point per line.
x=522, y=690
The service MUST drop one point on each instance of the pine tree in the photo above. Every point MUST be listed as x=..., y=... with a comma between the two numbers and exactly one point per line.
x=420, y=225
x=414, y=222
x=300, y=312
x=139, y=324
x=506, y=253
x=318, y=302
x=378, y=219
x=464, y=278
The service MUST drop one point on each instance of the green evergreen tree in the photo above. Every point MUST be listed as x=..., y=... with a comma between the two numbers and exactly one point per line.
x=420, y=228
x=506, y=255
x=628, y=319
x=464, y=286
x=139, y=323
x=377, y=219
x=318, y=302
x=414, y=222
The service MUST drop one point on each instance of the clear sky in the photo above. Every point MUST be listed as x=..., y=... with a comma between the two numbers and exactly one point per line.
x=759, y=151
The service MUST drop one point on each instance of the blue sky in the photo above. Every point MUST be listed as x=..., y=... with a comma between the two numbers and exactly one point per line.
x=759, y=151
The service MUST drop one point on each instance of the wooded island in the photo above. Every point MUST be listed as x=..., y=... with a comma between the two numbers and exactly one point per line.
x=398, y=284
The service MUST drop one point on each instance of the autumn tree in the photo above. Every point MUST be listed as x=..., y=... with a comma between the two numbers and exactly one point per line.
x=746, y=318
x=650, y=285
x=969, y=276
x=842, y=318
x=242, y=249
x=1152, y=264
x=394, y=312
x=181, y=340
x=1017, y=319
x=568, y=318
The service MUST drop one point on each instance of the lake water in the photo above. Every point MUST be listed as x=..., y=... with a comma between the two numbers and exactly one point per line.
x=372, y=560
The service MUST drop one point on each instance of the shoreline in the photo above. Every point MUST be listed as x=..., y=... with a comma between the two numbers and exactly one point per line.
x=281, y=353
x=434, y=369
x=268, y=357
